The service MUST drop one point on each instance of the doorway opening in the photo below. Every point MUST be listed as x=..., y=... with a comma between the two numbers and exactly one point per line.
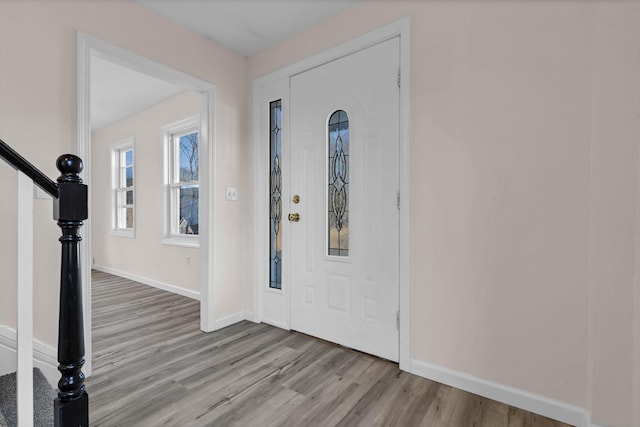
x=188, y=90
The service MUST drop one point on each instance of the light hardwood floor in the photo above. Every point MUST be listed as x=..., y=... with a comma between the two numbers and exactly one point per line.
x=153, y=367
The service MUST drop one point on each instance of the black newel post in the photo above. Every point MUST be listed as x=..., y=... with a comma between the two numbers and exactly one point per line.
x=71, y=407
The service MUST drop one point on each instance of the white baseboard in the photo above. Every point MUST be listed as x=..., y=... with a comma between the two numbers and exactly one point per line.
x=151, y=282
x=8, y=362
x=531, y=402
x=44, y=356
x=231, y=319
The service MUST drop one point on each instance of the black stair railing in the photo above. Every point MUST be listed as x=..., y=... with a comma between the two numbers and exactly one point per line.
x=71, y=406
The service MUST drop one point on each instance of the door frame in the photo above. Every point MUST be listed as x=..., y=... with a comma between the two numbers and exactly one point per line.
x=276, y=86
x=86, y=47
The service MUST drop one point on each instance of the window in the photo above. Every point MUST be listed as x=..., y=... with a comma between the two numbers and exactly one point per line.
x=275, y=194
x=122, y=178
x=338, y=184
x=181, y=184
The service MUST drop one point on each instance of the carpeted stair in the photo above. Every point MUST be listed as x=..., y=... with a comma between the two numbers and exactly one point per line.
x=43, y=396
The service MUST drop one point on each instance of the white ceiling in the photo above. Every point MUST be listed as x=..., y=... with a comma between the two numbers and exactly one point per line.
x=244, y=26
x=118, y=92
x=247, y=26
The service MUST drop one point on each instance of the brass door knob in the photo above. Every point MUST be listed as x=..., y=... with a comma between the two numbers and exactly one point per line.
x=294, y=217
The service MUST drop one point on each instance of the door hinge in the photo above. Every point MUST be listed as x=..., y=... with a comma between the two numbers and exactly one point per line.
x=398, y=200
x=398, y=320
x=398, y=77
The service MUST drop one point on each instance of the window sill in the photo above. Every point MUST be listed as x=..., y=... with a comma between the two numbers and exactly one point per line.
x=187, y=242
x=129, y=234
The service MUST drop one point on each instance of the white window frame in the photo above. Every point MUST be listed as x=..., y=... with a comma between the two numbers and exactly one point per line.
x=118, y=181
x=170, y=235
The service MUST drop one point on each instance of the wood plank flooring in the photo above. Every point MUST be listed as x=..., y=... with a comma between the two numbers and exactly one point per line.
x=152, y=366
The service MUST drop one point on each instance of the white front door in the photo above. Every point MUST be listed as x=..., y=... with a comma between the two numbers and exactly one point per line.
x=345, y=169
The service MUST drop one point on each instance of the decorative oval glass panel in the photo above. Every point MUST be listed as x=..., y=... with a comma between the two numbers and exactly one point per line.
x=338, y=184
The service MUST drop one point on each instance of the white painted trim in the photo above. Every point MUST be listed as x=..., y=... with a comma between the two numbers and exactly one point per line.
x=405, y=193
x=44, y=356
x=271, y=84
x=150, y=282
x=636, y=292
x=24, y=376
x=260, y=207
x=88, y=46
x=531, y=402
x=207, y=212
x=46, y=359
x=8, y=353
x=83, y=147
x=232, y=319
x=262, y=96
x=364, y=41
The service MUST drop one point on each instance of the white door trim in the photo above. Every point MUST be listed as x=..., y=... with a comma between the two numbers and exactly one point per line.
x=87, y=46
x=276, y=85
x=262, y=95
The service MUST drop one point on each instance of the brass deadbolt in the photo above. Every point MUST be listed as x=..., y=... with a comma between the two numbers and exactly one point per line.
x=294, y=217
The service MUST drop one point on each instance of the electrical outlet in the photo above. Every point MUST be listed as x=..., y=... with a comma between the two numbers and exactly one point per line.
x=231, y=193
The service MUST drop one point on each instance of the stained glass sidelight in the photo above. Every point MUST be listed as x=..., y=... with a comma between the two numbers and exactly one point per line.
x=338, y=191
x=275, y=192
